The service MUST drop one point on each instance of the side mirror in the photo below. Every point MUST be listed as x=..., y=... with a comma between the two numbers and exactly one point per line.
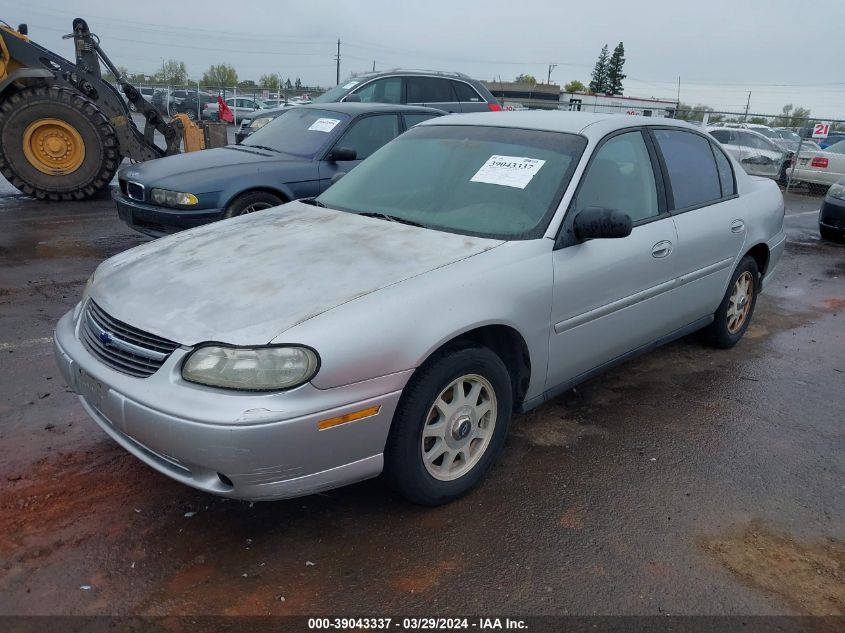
x=342, y=153
x=353, y=98
x=601, y=223
x=338, y=176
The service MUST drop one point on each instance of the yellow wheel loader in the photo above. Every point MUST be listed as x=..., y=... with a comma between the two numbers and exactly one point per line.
x=64, y=130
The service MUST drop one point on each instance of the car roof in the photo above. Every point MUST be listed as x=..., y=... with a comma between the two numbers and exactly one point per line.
x=590, y=124
x=354, y=108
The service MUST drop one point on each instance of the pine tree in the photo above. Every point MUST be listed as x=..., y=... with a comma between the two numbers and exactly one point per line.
x=614, y=70
x=598, y=81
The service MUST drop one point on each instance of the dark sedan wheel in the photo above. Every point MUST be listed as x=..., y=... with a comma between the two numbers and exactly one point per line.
x=449, y=426
x=251, y=202
x=734, y=313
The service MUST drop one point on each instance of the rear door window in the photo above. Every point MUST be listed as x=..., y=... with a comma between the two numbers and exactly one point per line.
x=691, y=165
x=429, y=90
x=411, y=119
x=723, y=136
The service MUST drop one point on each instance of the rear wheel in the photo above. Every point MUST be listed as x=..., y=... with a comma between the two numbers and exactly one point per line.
x=250, y=202
x=56, y=144
x=734, y=313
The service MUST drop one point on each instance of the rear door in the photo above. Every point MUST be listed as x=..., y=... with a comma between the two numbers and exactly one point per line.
x=365, y=135
x=435, y=92
x=709, y=217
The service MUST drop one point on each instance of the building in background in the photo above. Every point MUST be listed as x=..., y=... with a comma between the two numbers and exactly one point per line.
x=517, y=96
x=617, y=104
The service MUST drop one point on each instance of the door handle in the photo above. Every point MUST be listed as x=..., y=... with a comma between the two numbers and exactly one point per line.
x=737, y=226
x=661, y=249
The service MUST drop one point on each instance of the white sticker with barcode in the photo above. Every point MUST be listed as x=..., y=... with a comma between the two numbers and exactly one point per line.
x=324, y=125
x=508, y=171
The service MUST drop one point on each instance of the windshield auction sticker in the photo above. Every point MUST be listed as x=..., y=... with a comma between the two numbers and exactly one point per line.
x=508, y=171
x=324, y=125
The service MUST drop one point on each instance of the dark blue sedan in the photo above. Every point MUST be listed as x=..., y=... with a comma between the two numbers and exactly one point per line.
x=294, y=156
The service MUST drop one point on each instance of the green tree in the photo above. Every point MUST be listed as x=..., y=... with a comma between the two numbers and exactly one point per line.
x=172, y=72
x=598, y=79
x=298, y=83
x=526, y=79
x=288, y=84
x=268, y=81
x=574, y=86
x=758, y=120
x=247, y=84
x=614, y=70
x=222, y=75
x=687, y=112
x=791, y=117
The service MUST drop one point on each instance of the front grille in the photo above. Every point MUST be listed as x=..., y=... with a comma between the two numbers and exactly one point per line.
x=120, y=346
x=135, y=190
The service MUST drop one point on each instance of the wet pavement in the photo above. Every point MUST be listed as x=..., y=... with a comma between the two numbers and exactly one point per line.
x=687, y=481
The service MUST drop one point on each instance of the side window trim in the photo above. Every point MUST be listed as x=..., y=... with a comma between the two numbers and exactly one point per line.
x=714, y=148
x=468, y=85
x=670, y=197
x=564, y=237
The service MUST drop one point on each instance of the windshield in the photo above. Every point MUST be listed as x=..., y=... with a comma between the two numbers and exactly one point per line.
x=299, y=131
x=491, y=182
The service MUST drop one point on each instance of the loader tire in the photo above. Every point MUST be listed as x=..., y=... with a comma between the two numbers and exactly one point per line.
x=55, y=144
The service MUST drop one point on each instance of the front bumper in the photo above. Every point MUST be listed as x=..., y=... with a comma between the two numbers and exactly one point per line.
x=259, y=446
x=832, y=215
x=160, y=221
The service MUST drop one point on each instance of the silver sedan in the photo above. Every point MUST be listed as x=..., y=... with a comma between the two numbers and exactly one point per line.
x=475, y=267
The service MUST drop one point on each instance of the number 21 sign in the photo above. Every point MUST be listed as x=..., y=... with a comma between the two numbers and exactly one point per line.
x=821, y=130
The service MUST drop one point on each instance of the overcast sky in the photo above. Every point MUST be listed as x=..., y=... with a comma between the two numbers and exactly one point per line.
x=782, y=51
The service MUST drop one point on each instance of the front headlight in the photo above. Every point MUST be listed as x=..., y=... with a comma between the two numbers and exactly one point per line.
x=260, y=122
x=837, y=191
x=251, y=368
x=173, y=198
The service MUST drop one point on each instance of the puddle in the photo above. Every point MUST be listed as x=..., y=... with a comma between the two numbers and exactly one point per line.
x=809, y=578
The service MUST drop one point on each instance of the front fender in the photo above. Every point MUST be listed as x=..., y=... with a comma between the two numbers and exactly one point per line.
x=398, y=327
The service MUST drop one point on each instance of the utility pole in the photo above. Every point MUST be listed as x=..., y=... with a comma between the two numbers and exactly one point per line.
x=549, y=76
x=374, y=65
x=337, y=58
x=747, y=105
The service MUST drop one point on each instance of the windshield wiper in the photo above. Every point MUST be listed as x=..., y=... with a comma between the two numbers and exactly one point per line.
x=272, y=149
x=314, y=202
x=390, y=218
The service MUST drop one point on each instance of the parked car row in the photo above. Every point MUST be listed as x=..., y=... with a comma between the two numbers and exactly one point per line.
x=473, y=266
x=447, y=91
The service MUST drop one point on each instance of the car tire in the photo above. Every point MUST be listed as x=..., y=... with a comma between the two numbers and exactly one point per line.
x=734, y=314
x=252, y=201
x=461, y=451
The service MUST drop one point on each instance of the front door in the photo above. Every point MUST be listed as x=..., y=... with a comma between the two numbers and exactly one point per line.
x=612, y=296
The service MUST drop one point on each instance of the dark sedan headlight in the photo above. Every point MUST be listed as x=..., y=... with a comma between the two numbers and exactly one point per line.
x=260, y=122
x=837, y=191
x=251, y=368
x=173, y=198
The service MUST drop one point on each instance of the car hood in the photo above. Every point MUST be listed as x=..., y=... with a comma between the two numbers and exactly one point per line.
x=245, y=281
x=175, y=169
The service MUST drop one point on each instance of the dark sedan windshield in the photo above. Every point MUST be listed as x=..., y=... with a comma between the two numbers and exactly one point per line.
x=492, y=182
x=299, y=131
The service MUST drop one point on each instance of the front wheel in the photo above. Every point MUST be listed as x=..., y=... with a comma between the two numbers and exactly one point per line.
x=734, y=314
x=251, y=202
x=449, y=426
